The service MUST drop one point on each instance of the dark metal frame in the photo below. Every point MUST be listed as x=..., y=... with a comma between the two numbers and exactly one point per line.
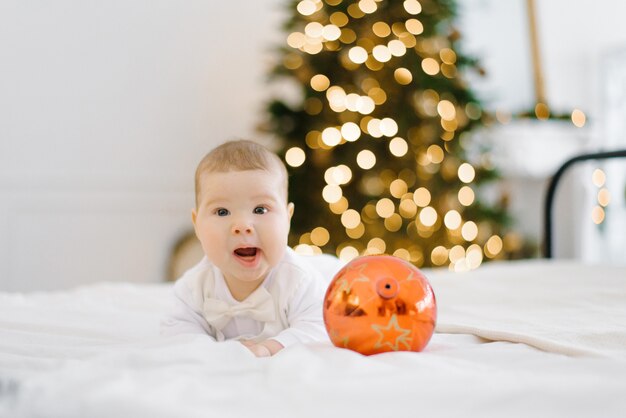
x=554, y=181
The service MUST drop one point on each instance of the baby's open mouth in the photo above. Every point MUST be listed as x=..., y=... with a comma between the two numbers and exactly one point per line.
x=246, y=252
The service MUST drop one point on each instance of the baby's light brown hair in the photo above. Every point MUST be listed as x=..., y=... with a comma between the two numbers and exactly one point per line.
x=239, y=155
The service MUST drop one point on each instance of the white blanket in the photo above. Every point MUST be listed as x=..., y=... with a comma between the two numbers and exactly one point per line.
x=95, y=352
x=563, y=307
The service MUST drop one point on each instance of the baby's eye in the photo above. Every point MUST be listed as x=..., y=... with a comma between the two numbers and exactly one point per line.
x=260, y=210
x=222, y=212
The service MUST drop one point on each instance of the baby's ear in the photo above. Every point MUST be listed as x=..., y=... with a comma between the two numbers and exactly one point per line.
x=194, y=215
x=290, y=209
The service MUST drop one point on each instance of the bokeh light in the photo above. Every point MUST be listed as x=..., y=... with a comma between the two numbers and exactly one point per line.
x=366, y=159
x=295, y=157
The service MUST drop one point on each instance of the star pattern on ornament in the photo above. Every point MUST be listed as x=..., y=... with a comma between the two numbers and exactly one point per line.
x=412, y=276
x=339, y=340
x=344, y=286
x=346, y=342
x=392, y=335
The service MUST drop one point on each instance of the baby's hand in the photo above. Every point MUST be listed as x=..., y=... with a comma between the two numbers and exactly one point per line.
x=259, y=350
x=264, y=349
x=247, y=343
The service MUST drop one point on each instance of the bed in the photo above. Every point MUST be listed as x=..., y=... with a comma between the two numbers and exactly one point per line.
x=528, y=338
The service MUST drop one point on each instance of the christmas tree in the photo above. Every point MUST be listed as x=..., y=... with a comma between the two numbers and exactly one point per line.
x=377, y=145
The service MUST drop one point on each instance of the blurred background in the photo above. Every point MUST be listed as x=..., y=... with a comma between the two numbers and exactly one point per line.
x=107, y=107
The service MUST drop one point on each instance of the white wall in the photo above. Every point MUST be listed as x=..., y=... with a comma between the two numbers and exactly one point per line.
x=106, y=107
x=576, y=39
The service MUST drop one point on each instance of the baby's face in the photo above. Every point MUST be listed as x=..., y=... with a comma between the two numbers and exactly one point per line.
x=242, y=222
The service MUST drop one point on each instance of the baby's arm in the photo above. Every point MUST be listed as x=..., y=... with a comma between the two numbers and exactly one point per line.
x=304, y=315
x=184, y=318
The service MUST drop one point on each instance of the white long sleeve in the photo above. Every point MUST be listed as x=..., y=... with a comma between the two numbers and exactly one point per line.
x=304, y=314
x=185, y=317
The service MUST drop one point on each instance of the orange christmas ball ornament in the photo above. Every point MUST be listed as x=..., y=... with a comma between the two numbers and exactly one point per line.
x=380, y=303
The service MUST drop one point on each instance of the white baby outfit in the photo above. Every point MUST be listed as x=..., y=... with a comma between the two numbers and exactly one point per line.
x=287, y=307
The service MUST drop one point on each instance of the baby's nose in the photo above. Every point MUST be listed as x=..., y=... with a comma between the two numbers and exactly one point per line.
x=242, y=228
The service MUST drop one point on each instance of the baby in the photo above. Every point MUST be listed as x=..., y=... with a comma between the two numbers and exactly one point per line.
x=250, y=286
